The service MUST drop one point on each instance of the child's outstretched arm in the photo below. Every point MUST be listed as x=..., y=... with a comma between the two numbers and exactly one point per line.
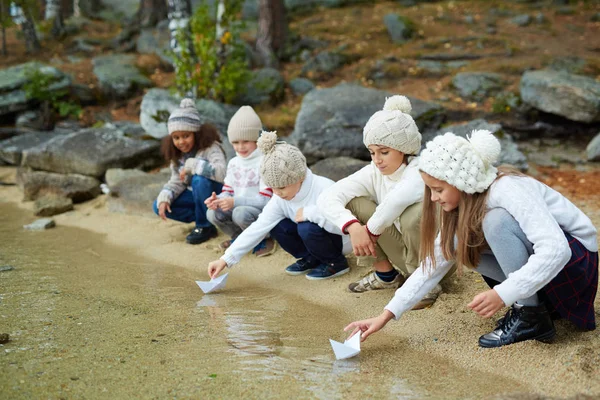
x=369, y=326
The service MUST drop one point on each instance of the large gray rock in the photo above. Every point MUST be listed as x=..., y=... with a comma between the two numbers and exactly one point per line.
x=478, y=85
x=78, y=188
x=51, y=204
x=593, y=149
x=265, y=86
x=324, y=64
x=93, y=151
x=115, y=175
x=12, y=95
x=158, y=104
x=331, y=121
x=135, y=194
x=301, y=86
x=399, y=28
x=510, y=153
x=118, y=75
x=574, y=97
x=336, y=168
x=11, y=150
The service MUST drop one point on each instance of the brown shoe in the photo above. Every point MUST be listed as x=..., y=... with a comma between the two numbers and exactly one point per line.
x=429, y=298
x=224, y=245
x=269, y=247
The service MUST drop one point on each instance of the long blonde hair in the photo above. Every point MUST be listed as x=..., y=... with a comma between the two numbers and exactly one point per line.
x=465, y=222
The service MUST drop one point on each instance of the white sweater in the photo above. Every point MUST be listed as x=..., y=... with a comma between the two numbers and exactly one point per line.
x=393, y=194
x=278, y=209
x=543, y=214
x=243, y=182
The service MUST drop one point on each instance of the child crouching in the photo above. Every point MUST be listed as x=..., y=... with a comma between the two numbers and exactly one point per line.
x=292, y=217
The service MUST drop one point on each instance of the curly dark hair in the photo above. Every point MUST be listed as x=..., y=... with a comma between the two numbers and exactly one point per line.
x=203, y=138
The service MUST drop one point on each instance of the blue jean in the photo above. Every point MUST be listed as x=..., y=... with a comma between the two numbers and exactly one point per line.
x=189, y=206
x=308, y=239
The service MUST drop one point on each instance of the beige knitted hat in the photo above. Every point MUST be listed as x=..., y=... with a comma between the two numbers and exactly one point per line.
x=393, y=127
x=282, y=164
x=466, y=164
x=244, y=125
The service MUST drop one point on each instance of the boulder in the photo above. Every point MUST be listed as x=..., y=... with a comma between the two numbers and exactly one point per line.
x=136, y=193
x=336, y=168
x=324, y=64
x=93, y=151
x=478, y=85
x=78, y=188
x=31, y=119
x=116, y=175
x=49, y=205
x=593, y=149
x=510, y=153
x=12, y=95
x=331, y=121
x=265, y=86
x=11, y=150
x=301, y=86
x=574, y=97
x=118, y=75
x=399, y=28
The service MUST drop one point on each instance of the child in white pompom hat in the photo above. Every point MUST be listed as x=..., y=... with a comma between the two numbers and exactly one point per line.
x=380, y=205
x=537, y=251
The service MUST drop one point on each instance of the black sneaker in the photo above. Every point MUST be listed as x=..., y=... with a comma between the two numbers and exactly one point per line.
x=521, y=323
x=201, y=235
x=330, y=270
x=302, y=266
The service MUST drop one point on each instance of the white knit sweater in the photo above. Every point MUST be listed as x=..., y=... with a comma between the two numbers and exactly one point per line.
x=278, y=209
x=393, y=194
x=543, y=214
x=243, y=182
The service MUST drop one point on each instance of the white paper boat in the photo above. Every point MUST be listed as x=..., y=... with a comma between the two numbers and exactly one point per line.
x=213, y=284
x=349, y=348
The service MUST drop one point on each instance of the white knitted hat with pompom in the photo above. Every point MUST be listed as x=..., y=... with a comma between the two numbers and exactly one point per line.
x=466, y=164
x=393, y=127
x=282, y=164
x=186, y=118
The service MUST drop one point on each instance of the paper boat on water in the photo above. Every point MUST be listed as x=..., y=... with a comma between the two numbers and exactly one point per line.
x=213, y=284
x=349, y=348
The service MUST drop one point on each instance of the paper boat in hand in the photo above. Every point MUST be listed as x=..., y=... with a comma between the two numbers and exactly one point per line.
x=213, y=284
x=349, y=348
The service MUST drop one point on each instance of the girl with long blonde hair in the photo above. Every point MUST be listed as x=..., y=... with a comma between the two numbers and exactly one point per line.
x=538, y=249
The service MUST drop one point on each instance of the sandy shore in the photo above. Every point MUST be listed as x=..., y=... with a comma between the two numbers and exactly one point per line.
x=568, y=367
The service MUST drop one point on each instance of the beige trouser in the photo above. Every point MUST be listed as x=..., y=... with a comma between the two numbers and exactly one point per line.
x=401, y=249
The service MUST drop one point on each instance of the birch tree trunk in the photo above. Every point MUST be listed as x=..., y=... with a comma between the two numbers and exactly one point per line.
x=179, y=13
x=23, y=17
x=54, y=13
x=272, y=31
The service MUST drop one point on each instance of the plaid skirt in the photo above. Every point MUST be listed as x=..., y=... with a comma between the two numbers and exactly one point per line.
x=572, y=292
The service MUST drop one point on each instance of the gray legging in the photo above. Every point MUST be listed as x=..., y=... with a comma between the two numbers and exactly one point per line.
x=233, y=222
x=509, y=246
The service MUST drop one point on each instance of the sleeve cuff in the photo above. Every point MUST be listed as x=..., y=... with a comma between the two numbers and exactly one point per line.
x=347, y=224
x=506, y=293
x=371, y=233
x=231, y=261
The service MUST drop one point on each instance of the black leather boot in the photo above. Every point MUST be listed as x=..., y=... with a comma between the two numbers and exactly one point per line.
x=201, y=235
x=521, y=323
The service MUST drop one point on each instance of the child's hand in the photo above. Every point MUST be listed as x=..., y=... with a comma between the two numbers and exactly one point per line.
x=215, y=268
x=161, y=210
x=211, y=202
x=300, y=215
x=362, y=244
x=369, y=326
x=182, y=174
x=226, y=204
x=486, y=303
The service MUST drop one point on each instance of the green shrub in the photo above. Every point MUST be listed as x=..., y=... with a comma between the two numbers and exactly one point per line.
x=39, y=87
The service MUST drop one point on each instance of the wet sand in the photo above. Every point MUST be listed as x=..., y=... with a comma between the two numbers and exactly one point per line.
x=129, y=323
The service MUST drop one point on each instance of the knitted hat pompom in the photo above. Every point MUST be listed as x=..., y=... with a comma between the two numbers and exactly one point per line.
x=266, y=141
x=187, y=103
x=398, y=102
x=485, y=145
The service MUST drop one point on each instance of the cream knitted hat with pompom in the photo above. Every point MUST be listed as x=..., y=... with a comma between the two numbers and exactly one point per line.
x=282, y=164
x=185, y=118
x=466, y=164
x=393, y=127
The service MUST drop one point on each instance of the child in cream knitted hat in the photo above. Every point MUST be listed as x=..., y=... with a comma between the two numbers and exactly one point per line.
x=522, y=236
x=244, y=194
x=379, y=207
x=292, y=217
x=197, y=162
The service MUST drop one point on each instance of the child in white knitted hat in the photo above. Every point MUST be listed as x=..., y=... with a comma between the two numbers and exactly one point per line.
x=537, y=251
x=380, y=205
x=292, y=217
x=244, y=194
x=198, y=165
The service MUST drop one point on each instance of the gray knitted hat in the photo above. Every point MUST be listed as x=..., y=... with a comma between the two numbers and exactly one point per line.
x=244, y=125
x=393, y=127
x=185, y=118
x=282, y=164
